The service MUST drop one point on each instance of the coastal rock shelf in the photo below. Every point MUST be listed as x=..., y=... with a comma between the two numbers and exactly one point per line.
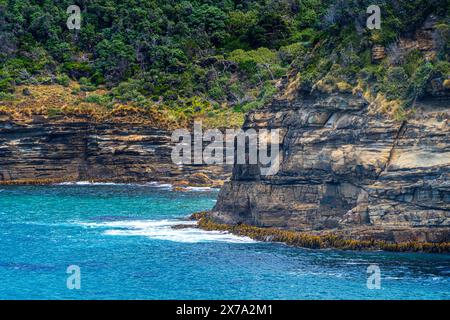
x=56, y=151
x=348, y=170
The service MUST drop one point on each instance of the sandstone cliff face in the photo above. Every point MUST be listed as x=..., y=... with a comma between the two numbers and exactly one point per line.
x=55, y=151
x=345, y=170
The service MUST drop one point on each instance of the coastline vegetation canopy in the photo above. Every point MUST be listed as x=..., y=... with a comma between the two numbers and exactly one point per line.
x=210, y=57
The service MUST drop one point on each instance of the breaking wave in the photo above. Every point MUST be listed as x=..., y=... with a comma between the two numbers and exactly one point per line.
x=153, y=184
x=164, y=230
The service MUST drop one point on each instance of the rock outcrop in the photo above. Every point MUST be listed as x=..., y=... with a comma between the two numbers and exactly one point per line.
x=43, y=151
x=378, y=53
x=348, y=171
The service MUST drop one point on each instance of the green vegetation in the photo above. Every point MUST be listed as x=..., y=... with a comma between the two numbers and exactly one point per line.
x=341, y=59
x=213, y=57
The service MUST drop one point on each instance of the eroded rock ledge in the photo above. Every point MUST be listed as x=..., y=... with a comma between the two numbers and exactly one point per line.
x=47, y=151
x=344, y=169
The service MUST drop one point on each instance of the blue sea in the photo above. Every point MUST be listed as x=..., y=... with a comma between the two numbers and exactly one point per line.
x=121, y=239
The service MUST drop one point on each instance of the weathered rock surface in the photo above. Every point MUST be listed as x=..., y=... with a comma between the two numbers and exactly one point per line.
x=46, y=151
x=343, y=169
x=378, y=53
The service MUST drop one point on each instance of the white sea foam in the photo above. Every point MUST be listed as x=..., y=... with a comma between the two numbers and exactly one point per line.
x=163, y=230
x=201, y=189
x=152, y=184
x=89, y=183
x=159, y=185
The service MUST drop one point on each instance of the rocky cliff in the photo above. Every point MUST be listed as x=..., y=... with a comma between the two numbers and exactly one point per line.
x=45, y=151
x=348, y=170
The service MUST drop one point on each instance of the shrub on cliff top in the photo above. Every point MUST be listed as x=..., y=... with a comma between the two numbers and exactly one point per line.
x=221, y=51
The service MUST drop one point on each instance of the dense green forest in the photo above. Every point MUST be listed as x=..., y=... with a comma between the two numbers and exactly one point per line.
x=214, y=55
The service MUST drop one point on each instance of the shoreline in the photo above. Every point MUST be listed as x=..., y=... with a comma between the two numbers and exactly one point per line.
x=45, y=182
x=269, y=234
x=310, y=241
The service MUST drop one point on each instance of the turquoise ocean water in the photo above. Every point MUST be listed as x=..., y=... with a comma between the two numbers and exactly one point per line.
x=121, y=238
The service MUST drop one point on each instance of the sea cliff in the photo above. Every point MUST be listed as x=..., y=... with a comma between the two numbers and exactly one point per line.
x=347, y=169
x=41, y=150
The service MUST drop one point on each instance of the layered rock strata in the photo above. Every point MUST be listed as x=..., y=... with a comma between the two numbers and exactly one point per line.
x=348, y=171
x=56, y=151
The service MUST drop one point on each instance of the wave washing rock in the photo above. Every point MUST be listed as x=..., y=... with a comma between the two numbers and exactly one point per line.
x=55, y=151
x=345, y=170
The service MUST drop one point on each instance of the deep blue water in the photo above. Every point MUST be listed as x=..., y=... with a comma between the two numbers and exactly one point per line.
x=121, y=238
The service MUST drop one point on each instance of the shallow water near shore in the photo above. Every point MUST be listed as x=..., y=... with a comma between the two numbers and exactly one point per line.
x=123, y=240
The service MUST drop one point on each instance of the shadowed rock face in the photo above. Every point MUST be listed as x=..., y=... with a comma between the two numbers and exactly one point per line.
x=342, y=169
x=77, y=151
